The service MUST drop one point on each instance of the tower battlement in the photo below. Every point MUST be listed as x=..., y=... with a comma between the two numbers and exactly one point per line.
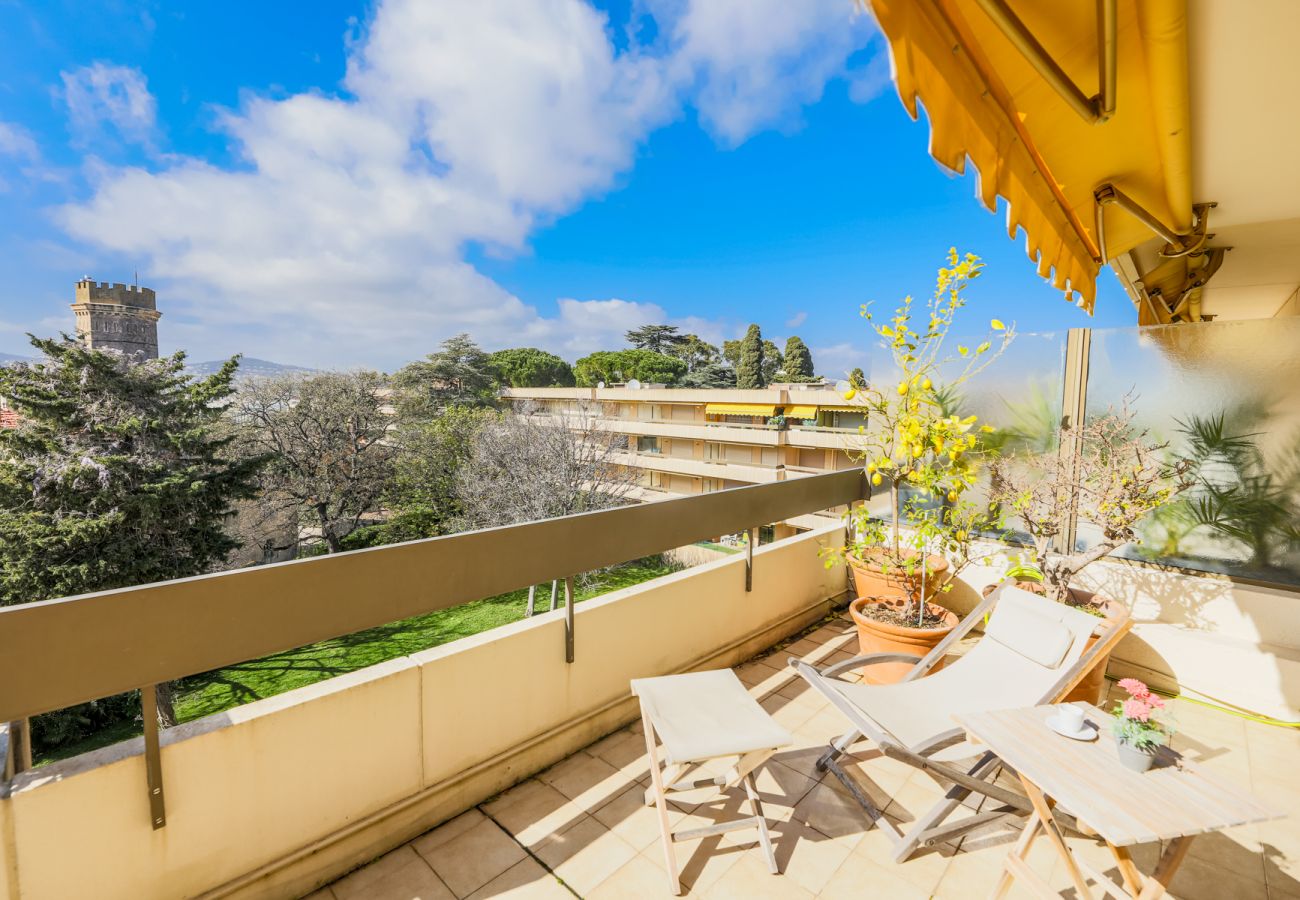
x=115, y=316
x=89, y=291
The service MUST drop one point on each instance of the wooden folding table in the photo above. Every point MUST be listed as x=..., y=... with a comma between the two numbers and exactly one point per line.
x=1173, y=802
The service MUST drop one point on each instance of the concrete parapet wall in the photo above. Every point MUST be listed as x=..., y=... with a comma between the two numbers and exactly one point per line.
x=276, y=797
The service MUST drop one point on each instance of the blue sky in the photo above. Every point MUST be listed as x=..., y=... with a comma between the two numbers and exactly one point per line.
x=350, y=185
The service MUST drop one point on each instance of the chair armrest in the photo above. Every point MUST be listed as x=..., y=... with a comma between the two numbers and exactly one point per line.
x=869, y=659
x=941, y=741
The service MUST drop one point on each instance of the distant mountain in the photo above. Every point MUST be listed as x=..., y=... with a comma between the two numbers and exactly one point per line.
x=249, y=367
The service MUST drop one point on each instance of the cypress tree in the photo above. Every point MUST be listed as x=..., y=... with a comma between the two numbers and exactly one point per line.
x=749, y=371
x=798, y=360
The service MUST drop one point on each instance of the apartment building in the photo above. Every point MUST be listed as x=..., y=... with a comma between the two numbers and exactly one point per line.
x=695, y=441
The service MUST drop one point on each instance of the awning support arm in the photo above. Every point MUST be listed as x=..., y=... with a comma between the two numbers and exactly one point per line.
x=1179, y=243
x=1096, y=109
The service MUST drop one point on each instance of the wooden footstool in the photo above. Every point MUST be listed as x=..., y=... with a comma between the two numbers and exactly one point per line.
x=698, y=717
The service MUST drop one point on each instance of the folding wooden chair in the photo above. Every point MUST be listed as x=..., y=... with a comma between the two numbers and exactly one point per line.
x=1032, y=653
x=698, y=717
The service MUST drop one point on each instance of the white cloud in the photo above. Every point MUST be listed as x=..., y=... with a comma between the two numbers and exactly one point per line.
x=104, y=97
x=875, y=78
x=340, y=238
x=797, y=319
x=17, y=141
x=758, y=62
x=838, y=360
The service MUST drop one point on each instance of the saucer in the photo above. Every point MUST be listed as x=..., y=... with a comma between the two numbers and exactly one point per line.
x=1088, y=732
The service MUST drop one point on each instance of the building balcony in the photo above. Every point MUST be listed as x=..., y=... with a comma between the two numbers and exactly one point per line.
x=506, y=761
x=821, y=437
x=751, y=473
x=720, y=432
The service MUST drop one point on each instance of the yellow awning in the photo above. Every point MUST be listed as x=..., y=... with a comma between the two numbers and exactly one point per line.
x=740, y=409
x=801, y=412
x=985, y=100
x=849, y=409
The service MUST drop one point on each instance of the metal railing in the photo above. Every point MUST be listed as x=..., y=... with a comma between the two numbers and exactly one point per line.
x=58, y=653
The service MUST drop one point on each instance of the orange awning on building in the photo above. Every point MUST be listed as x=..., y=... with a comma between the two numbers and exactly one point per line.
x=740, y=409
x=802, y=411
x=1017, y=86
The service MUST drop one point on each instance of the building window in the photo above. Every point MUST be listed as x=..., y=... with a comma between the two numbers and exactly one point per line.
x=647, y=444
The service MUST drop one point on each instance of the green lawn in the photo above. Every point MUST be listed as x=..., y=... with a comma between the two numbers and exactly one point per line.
x=213, y=692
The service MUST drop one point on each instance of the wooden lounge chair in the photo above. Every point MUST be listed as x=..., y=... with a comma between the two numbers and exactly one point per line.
x=1033, y=652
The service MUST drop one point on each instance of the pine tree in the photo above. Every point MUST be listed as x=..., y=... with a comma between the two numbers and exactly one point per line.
x=458, y=374
x=749, y=368
x=858, y=379
x=798, y=363
x=119, y=473
x=655, y=338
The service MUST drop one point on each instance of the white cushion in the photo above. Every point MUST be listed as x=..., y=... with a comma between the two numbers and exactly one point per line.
x=1035, y=636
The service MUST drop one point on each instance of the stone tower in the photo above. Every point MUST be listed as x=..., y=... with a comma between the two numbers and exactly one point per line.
x=117, y=317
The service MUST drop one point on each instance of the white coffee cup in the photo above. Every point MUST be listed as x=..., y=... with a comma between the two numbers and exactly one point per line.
x=1069, y=717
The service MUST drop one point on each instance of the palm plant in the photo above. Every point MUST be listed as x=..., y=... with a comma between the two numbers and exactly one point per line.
x=1237, y=496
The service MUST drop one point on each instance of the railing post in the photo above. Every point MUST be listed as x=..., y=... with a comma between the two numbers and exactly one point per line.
x=16, y=748
x=749, y=559
x=568, y=619
x=153, y=756
x=1074, y=409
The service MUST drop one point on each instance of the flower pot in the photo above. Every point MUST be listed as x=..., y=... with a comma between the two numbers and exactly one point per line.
x=875, y=636
x=1134, y=758
x=871, y=580
x=1092, y=689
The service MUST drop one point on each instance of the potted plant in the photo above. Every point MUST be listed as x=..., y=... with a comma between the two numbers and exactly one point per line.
x=1108, y=473
x=1137, y=733
x=926, y=459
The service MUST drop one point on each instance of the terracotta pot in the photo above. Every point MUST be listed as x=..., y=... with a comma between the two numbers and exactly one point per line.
x=1092, y=689
x=870, y=579
x=881, y=637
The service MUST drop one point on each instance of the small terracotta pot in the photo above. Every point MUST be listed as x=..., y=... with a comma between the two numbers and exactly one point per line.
x=1092, y=689
x=870, y=579
x=881, y=637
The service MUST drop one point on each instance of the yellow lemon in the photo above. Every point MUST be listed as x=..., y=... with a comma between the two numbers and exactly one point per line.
x=876, y=479
x=902, y=389
x=926, y=384
x=952, y=496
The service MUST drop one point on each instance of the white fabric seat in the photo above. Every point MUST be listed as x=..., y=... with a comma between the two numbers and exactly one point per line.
x=705, y=715
x=698, y=717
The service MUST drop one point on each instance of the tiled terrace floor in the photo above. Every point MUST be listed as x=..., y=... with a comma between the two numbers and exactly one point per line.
x=580, y=829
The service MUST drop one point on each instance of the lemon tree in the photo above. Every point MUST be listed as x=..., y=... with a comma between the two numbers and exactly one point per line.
x=925, y=457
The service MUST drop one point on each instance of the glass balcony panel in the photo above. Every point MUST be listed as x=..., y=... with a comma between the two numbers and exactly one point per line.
x=1223, y=394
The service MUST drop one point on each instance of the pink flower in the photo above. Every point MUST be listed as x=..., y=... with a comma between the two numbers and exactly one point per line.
x=1153, y=701
x=1136, y=688
x=1136, y=709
